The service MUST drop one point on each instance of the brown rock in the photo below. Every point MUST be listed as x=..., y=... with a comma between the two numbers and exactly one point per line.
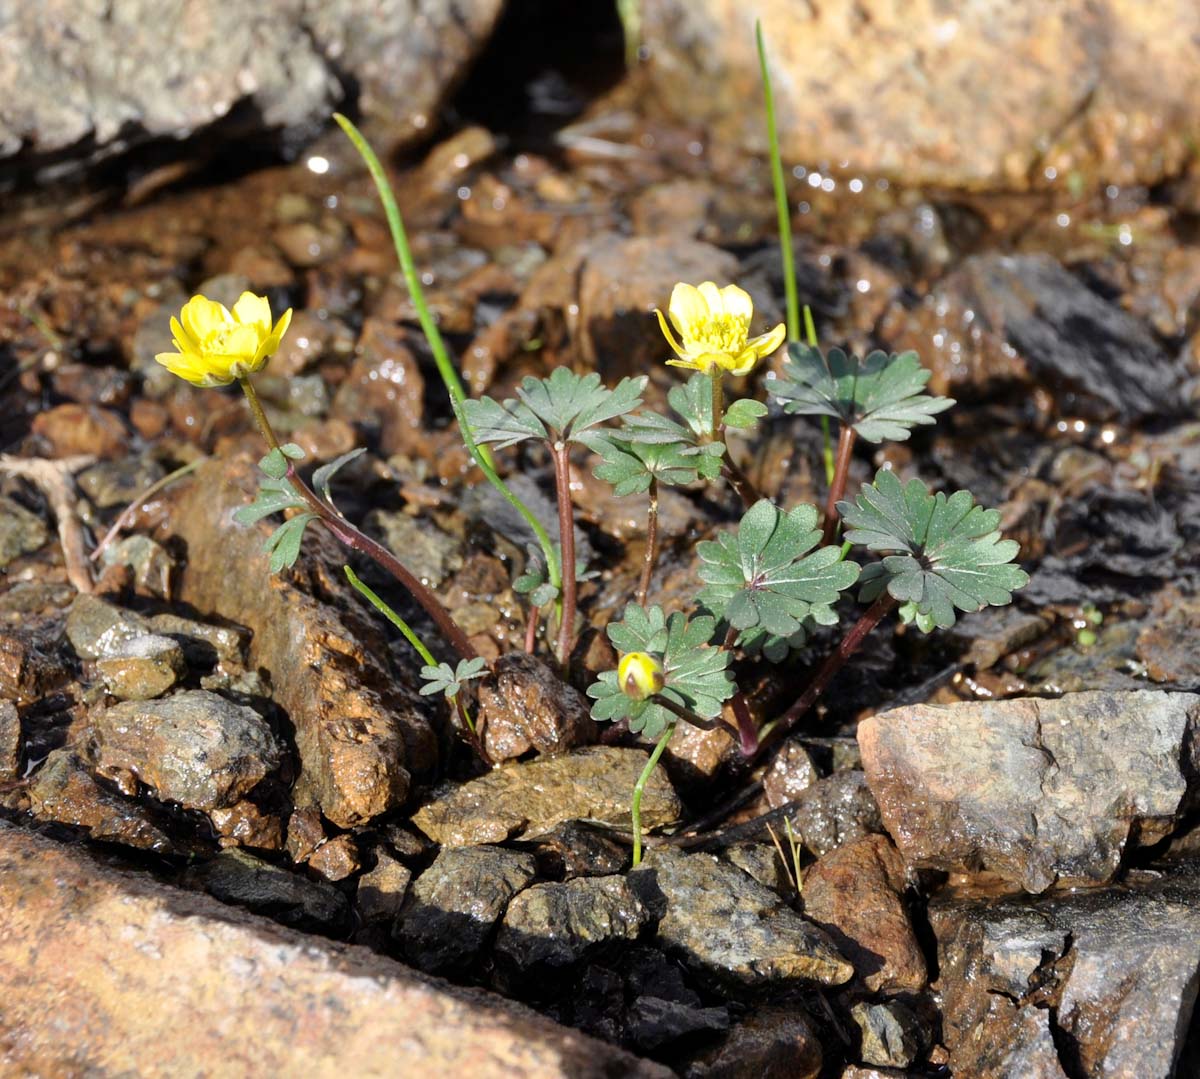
x=528, y=706
x=529, y=798
x=833, y=811
x=1036, y=791
x=791, y=772
x=336, y=858
x=142, y=668
x=304, y=833
x=10, y=740
x=355, y=727
x=856, y=892
x=81, y=429
x=259, y=998
x=383, y=392
x=771, y=1043
x=908, y=90
x=246, y=825
x=381, y=890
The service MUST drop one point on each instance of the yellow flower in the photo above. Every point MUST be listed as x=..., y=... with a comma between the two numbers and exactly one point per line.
x=714, y=329
x=217, y=345
x=640, y=675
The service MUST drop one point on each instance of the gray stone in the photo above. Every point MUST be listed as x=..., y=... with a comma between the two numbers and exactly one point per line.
x=194, y=748
x=21, y=532
x=142, y=668
x=656, y=1021
x=526, y=705
x=1098, y=982
x=10, y=740
x=455, y=904
x=203, y=644
x=791, y=772
x=529, y=798
x=729, y=928
x=833, y=811
x=150, y=563
x=234, y=876
x=106, y=970
x=117, y=483
x=85, y=82
x=381, y=890
x=97, y=628
x=553, y=926
x=427, y=551
x=892, y=1035
x=1036, y=791
x=772, y=1042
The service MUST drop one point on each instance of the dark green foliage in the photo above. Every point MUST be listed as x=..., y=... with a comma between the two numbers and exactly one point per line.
x=630, y=466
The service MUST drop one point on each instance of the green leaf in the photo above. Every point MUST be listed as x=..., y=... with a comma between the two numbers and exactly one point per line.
x=535, y=582
x=448, y=680
x=323, y=475
x=292, y=451
x=271, y=498
x=630, y=466
x=504, y=424
x=942, y=553
x=274, y=465
x=766, y=580
x=745, y=413
x=284, y=543
x=695, y=674
x=881, y=396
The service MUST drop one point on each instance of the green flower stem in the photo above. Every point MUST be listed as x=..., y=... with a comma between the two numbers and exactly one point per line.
x=347, y=534
x=635, y=806
x=810, y=332
x=781, y=200
x=384, y=609
x=833, y=663
x=651, y=543
x=437, y=345
x=128, y=512
x=837, y=488
x=566, y=537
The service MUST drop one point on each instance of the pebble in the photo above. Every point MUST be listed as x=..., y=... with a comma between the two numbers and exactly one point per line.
x=142, y=668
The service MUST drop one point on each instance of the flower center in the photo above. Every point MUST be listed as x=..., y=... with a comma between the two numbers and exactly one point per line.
x=724, y=333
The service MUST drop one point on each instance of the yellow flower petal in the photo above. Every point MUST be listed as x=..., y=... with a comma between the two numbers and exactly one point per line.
x=183, y=339
x=766, y=343
x=713, y=300
x=688, y=310
x=706, y=361
x=202, y=317
x=691, y=365
x=742, y=364
x=737, y=303
x=675, y=345
x=251, y=310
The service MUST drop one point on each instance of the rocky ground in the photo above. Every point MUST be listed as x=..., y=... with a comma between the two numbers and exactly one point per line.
x=223, y=797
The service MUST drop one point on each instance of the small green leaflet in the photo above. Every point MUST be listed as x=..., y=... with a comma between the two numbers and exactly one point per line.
x=564, y=406
x=276, y=494
x=882, y=396
x=323, y=475
x=449, y=680
x=947, y=553
x=696, y=675
x=275, y=464
x=630, y=466
x=762, y=577
x=535, y=583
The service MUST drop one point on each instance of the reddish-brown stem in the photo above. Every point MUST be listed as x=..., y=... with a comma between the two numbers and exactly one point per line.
x=837, y=488
x=742, y=485
x=651, y=544
x=347, y=534
x=691, y=717
x=747, y=732
x=834, y=662
x=531, y=628
x=566, y=539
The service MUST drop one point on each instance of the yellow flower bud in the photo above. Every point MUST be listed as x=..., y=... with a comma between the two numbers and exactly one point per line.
x=714, y=329
x=217, y=346
x=640, y=675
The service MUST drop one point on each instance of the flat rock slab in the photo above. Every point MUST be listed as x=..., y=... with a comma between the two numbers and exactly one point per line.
x=1101, y=982
x=594, y=783
x=726, y=926
x=99, y=968
x=1035, y=791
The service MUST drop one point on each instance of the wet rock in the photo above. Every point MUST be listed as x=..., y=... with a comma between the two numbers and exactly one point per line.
x=97, y=628
x=989, y=635
x=426, y=550
x=383, y=392
x=761, y=862
x=234, y=876
x=356, y=728
x=550, y=927
x=856, y=893
x=118, y=80
x=32, y=663
x=892, y=1035
x=791, y=772
x=63, y=790
x=72, y=430
x=594, y=783
x=727, y=927
x=575, y=849
x=143, y=668
x=194, y=748
x=835, y=810
x=258, y=998
x=1110, y=102
x=10, y=740
x=771, y=1043
x=1096, y=982
x=149, y=562
x=203, y=644
x=528, y=706
x=304, y=833
x=455, y=904
x=655, y=1022
x=245, y=825
x=336, y=858
x=21, y=532
x=117, y=483
x=1036, y=791
x=382, y=889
